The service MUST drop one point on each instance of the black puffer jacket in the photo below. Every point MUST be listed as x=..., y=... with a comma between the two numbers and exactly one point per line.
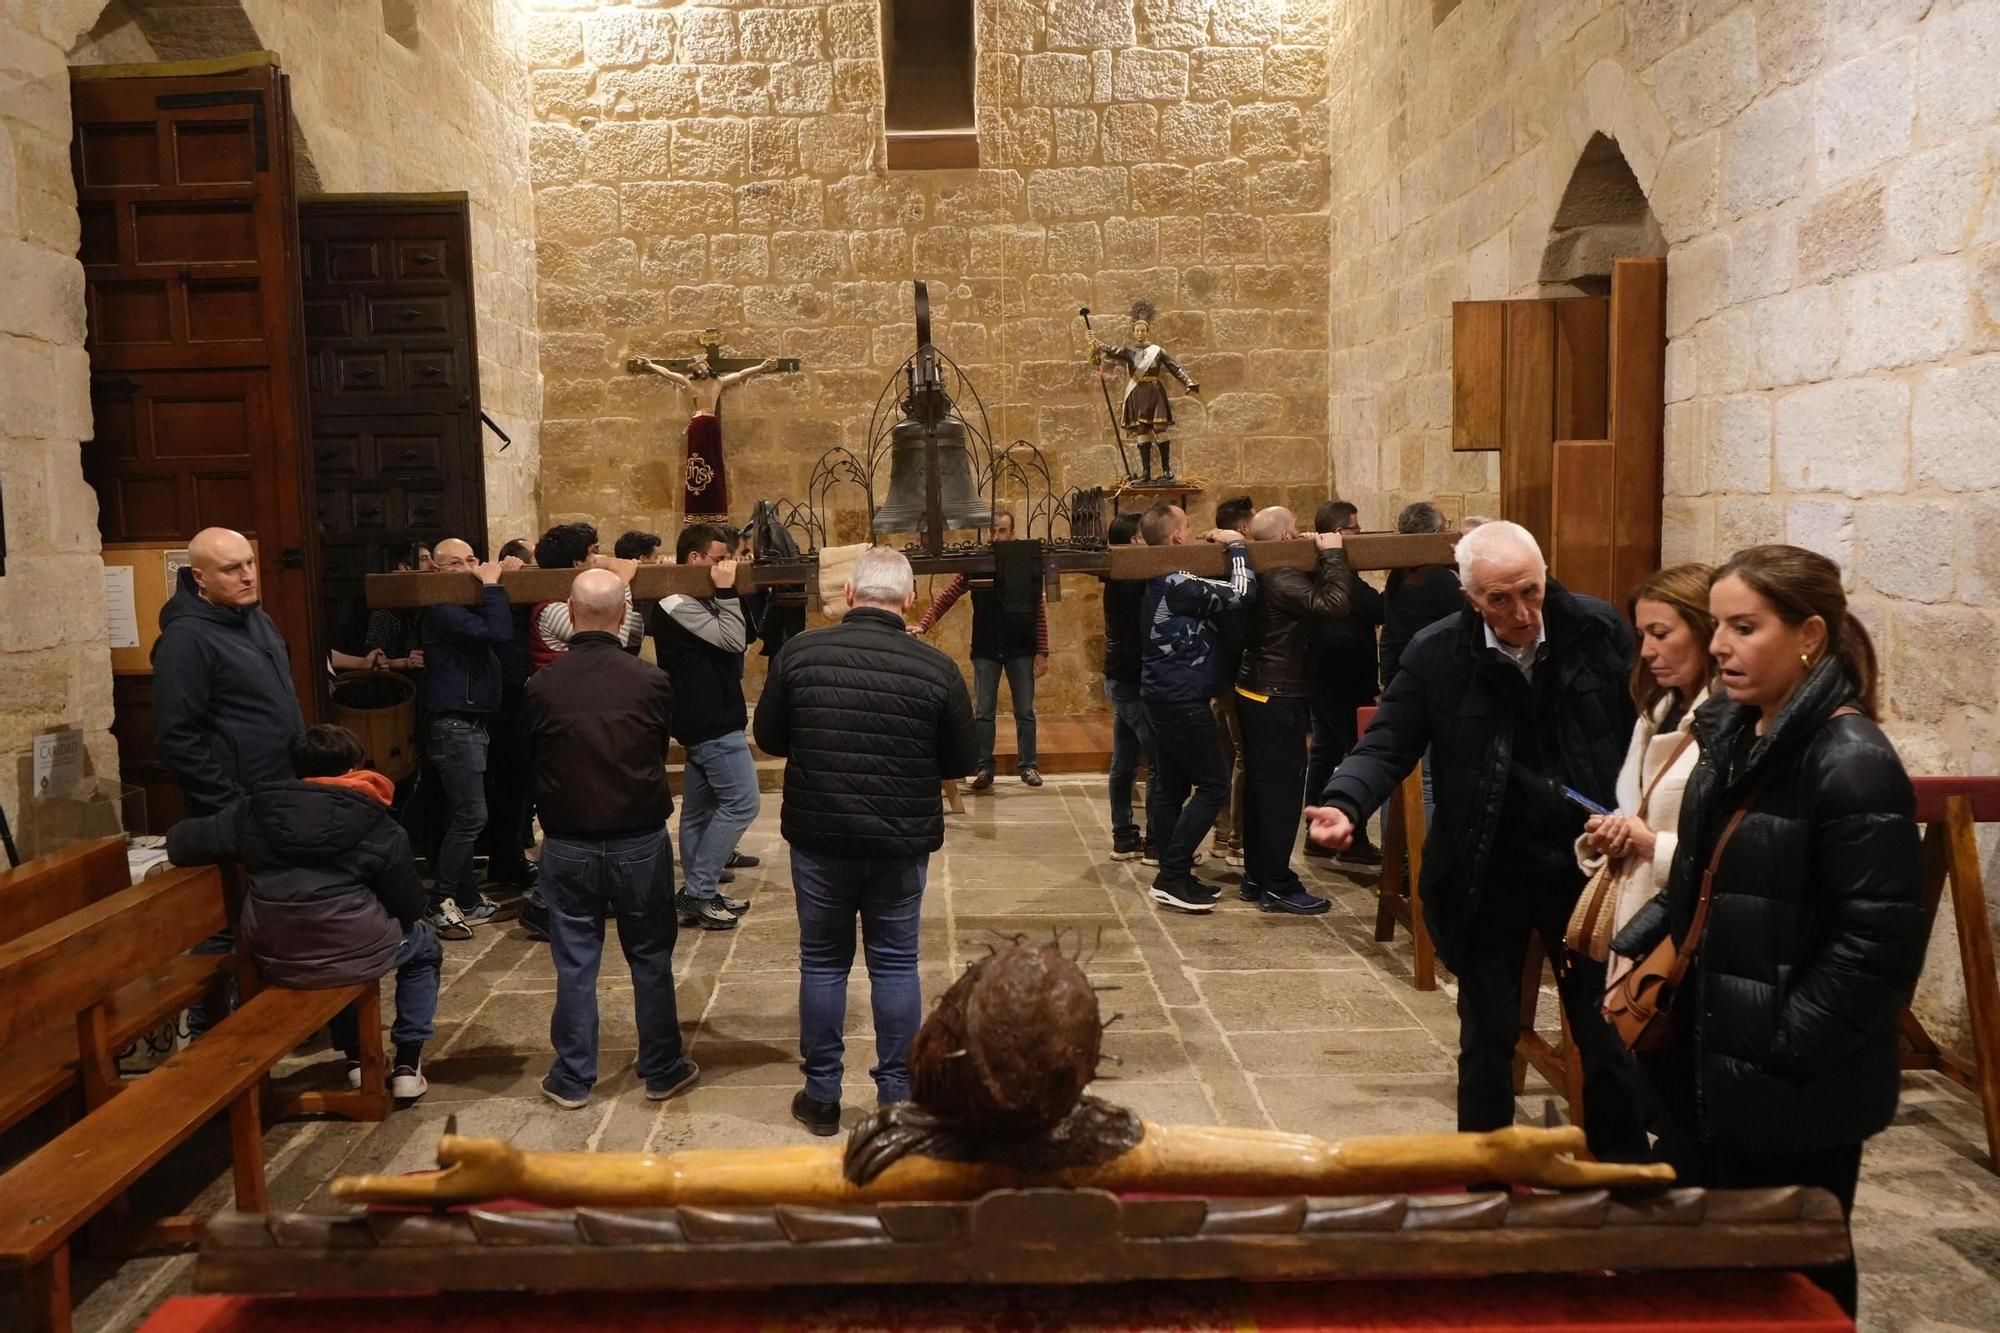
x=332, y=883
x=1786, y=1039
x=869, y=719
x=1450, y=698
x=1284, y=621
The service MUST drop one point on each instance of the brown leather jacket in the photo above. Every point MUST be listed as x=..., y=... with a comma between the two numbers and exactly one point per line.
x=1280, y=638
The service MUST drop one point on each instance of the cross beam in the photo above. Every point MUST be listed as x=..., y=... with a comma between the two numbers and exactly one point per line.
x=1365, y=551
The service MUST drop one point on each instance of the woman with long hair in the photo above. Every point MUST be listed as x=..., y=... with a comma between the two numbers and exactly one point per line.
x=1782, y=1058
x=1628, y=854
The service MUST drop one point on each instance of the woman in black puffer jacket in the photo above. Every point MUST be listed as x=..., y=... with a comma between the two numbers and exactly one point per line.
x=1783, y=1058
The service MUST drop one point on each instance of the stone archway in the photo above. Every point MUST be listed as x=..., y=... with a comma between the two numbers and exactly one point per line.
x=1603, y=216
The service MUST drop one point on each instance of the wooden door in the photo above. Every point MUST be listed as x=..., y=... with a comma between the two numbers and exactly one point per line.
x=190, y=259
x=393, y=385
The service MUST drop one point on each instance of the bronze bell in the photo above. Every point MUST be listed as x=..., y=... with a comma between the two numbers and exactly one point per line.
x=960, y=504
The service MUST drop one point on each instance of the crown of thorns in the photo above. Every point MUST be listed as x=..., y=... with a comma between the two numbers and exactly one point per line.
x=1144, y=310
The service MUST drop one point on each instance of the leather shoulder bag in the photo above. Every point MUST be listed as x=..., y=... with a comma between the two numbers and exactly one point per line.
x=1589, y=932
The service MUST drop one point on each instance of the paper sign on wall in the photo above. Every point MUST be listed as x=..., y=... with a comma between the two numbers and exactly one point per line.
x=121, y=612
x=58, y=762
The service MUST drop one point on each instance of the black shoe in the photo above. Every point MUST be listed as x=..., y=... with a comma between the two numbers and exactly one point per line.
x=1361, y=854
x=1249, y=892
x=1319, y=853
x=675, y=1083
x=741, y=861
x=521, y=875
x=535, y=917
x=982, y=780
x=822, y=1118
x=708, y=913
x=1183, y=893
x=725, y=876
x=1127, y=849
x=1031, y=776
x=1296, y=903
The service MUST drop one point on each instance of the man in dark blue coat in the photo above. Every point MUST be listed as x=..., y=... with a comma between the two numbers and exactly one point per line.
x=1518, y=697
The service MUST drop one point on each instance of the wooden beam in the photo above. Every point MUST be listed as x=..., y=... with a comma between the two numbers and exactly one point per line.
x=406, y=590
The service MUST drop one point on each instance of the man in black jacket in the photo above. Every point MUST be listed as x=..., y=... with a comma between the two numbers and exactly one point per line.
x=1519, y=696
x=869, y=720
x=1131, y=730
x=598, y=724
x=223, y=705
x=1272, y=702
x=699, y=643
x=334, y=899
x=462, y=691
x=1344, y=675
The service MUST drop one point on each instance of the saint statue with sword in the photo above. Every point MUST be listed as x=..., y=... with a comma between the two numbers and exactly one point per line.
x=1147, y=412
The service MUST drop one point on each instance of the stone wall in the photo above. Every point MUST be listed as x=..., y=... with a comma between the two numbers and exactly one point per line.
x=379, y=115
x=1822, y=171
x=703, y=165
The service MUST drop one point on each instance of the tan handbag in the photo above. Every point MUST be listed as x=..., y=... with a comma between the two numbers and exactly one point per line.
x=1590, y=925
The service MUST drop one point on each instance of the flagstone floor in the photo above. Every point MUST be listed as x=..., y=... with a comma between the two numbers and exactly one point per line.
x=1234, y=1018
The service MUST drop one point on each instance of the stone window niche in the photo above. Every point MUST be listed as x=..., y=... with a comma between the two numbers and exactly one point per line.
x=1603, y=217
x=927, y=77
x=399, y=20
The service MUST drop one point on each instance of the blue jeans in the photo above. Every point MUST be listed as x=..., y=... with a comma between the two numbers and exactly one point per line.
x=417, y=965
x=633, y=880
x=458, y=752
x=1131, y=741
x=986, y=703
x=718, y=801
x=889, y=897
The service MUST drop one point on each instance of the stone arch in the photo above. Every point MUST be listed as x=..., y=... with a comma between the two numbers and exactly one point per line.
x=1603, y=216
x=132, y=31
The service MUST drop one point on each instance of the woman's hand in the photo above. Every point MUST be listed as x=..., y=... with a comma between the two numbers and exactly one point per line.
x=1620, y=835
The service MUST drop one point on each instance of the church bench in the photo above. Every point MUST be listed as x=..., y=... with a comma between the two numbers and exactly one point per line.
x=50, y=887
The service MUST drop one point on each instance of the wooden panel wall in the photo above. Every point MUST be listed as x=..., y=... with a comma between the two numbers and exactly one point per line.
x=1638, y=414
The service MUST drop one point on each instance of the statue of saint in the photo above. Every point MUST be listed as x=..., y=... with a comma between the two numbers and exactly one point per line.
x=704, y=481
x=1147, y=413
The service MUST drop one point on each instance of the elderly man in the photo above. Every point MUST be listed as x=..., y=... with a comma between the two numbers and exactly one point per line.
x=1519, y=697
x=224, y=712
x=598, y=723
x=462, y=692
x=869, y=720
x=1274, y=703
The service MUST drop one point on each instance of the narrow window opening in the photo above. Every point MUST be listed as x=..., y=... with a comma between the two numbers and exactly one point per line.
x=399, y=20
x=928, y=65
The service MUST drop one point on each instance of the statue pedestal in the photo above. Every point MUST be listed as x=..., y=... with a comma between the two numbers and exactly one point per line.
x=1143, y=495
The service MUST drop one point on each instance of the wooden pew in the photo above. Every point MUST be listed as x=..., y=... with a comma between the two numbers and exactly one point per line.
x=66, y=986
x=1399, y=895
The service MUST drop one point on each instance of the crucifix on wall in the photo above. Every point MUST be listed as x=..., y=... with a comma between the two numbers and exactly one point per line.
x=704, y=379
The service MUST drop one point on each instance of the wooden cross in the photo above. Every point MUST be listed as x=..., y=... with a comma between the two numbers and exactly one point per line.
x=711, y=343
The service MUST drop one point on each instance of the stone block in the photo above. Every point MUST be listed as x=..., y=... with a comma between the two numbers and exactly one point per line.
x=613, y=261
x=555, y=153
x=562, y=94
x=1769, y=153
x=1226, y=73
x=806, y=256
x=1978, y=550
x=1904, y=550
x=658, y=92
x=1705, y=82
x=1653, y=28
x=1742, y=521
x=734, y=90
x=628, y=37
x=780, y=34
x=1197, y=132
x=1953, y=427
x=1864, y=111
x=837, y=145
x=670, y=208
x=551, y=40
x=808, y=88
x=877, y=201
x=1090, y=25
x=1290, y=187
x=1231, y=238
x=1075, y=136
x=857, y=84
x=1697, y=282
x=1931, y=204
x=1297, y=72
x=982, y=196
x=1958, y=70
x=635, y=150
x=1016, y=137
x=739, y=258
x=1224, y=184
x=1270, y=129
x=1132, y=242
x=1907, y=315
x=1054, y=78
x=1791, y=39
x=942, y=250
x=1076, y=192
x=700, y=306
x=577, y=212
x=44, y=293
x=1247, y=23
x=574, y=353
x=1075, y=247
x=1799, y=335
x=1160, y=187
x=1271, y=285
x=1941, y=659
x=1848, y=436
x=1740, y=451
x=1140, y=75
x=852, y=32
x=707, y=36
x=794, y=303
x=880, y=252
x=1131, y=132
x=1825, y=526
x=1843, y=232
x=1687, y=530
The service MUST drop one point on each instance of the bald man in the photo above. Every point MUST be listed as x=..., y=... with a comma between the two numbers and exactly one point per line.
x=462, y=691
x=598, y=724
x=223, y=707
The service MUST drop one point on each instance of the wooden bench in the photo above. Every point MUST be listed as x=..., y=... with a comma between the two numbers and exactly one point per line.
x=1399, y=894
x=68, y=986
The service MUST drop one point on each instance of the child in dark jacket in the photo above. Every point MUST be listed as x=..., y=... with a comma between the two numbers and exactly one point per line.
x=334, y=897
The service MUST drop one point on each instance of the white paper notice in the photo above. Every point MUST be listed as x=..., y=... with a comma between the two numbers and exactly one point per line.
x=58, y=762
x=121, y=613
x=175, y=562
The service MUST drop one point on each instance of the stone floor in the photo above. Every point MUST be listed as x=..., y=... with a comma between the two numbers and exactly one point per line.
x=1237, y=1018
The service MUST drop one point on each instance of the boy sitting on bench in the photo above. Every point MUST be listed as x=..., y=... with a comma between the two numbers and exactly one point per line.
x=334, y=897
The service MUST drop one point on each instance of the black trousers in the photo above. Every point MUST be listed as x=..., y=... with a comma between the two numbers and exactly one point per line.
x=1837, y=1170
x=1333, y=735
x=1274, y=788
x=1489, y=1016
x=1190, y=782
x=509, y=786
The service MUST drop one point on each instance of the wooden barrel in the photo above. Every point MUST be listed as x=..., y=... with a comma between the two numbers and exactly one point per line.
x=381, y=708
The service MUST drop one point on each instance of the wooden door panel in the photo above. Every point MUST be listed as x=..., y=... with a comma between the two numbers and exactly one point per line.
x=1638, y=412
x=1528, y=426
x=1478, y=373
x=1580, y=554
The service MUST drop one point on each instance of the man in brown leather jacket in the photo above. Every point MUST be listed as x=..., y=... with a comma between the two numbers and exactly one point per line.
x=1274, y=701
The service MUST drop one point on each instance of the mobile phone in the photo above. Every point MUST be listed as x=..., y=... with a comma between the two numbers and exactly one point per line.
x=1578, y=798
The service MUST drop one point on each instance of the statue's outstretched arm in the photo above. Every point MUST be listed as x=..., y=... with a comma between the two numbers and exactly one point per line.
x=640, y=365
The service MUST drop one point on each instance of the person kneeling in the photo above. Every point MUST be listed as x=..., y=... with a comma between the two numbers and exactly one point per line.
x=334, y=897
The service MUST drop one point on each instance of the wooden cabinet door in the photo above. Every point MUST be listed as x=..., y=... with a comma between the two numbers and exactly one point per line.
x=190, y=259
x=393, y=376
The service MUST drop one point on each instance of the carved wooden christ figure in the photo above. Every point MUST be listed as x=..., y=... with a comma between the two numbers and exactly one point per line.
x=705, y=379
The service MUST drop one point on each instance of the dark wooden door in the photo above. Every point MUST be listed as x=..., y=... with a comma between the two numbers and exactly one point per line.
x=393, y=376
x=190, y=258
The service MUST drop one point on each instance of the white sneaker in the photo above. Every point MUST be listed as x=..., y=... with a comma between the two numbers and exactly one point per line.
x=354, y=1075
x=407, y=1084
x=449, y=922
x=1151, y=857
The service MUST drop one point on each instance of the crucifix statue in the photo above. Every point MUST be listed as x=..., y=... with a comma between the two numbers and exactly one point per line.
x=705, y=481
